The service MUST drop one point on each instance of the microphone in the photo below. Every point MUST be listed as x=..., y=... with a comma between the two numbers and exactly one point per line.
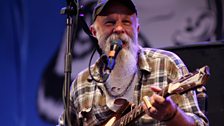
x=115, y=48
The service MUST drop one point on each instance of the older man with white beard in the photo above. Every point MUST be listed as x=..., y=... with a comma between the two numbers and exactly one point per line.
x=138, y=72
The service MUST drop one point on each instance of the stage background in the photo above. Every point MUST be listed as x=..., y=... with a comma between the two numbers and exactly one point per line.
x=32, y=51
x=198, y=55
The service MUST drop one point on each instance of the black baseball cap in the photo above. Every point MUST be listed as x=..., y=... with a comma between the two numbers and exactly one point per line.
x=102, y=4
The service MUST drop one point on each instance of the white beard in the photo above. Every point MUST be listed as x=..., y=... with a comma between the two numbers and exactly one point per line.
x=126, y=61
x=121, y=77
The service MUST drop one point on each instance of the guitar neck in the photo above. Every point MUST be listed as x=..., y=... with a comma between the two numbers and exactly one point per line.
x=130, y=117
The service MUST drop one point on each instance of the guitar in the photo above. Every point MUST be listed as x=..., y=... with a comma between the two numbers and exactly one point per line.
x=189, y=82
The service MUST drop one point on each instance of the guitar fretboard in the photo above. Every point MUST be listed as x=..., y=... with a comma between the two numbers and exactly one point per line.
x=137, y=112
x=134, y=114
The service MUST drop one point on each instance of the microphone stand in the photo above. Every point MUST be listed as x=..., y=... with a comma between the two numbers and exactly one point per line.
x=70, y=10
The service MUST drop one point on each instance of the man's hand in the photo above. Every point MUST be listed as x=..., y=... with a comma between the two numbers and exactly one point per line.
x=162, y=109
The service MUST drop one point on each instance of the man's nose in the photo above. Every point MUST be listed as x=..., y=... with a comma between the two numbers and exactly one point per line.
x=118, y=29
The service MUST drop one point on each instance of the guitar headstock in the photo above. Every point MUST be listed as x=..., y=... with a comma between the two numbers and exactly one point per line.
x=190, y=81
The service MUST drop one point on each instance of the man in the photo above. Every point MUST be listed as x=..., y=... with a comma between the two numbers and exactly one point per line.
x=138, y=72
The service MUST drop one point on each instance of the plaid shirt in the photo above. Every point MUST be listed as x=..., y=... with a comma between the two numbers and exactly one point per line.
x=155, y=67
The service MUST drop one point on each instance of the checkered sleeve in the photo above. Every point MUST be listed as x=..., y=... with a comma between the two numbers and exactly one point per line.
x=188, y=101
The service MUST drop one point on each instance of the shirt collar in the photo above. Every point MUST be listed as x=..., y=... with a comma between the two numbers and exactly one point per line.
x=143, y=61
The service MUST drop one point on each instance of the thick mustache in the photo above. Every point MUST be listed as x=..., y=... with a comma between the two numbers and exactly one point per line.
x=124, y=38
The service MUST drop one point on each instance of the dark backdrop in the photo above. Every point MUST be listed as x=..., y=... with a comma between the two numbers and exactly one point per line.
x=196, y=56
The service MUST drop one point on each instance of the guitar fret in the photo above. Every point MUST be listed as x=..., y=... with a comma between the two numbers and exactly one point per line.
x=125, y=120
x=135, y=113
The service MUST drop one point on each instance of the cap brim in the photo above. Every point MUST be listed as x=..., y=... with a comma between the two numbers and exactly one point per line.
x=103, y=4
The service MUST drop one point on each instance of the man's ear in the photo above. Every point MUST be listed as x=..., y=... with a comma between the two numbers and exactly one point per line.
x=93, y=30
x=138, y=28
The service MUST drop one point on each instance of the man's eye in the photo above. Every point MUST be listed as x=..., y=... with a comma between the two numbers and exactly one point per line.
x=109, y=22
x=126, y=22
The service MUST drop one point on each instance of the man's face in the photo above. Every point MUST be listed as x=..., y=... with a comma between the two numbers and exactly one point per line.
x=116, y=22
